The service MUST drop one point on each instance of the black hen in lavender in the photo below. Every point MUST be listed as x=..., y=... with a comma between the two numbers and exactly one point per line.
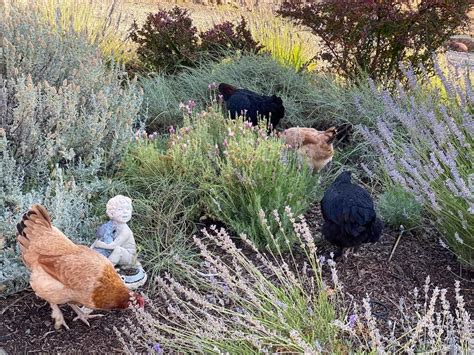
x=252, y=105
x=349, y=215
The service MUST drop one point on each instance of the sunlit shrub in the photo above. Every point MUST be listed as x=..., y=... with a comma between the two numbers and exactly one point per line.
x=99, y=22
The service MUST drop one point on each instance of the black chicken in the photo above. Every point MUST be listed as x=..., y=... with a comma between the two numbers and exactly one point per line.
x=349, y=215
x=252, y=105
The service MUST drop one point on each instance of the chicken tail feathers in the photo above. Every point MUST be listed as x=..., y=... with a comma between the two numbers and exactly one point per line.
x=37, y=214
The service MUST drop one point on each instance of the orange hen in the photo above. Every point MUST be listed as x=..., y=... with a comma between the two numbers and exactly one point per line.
x=63, y=272
x=316, y=145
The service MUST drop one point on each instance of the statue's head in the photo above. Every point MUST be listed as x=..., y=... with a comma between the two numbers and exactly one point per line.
x=119, y=208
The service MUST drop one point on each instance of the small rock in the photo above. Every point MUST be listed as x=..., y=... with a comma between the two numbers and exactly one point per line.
x=28, y=331
x=47, y=323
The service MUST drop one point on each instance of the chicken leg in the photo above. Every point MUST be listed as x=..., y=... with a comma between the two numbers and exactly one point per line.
x=57, y=315
x=82, y=315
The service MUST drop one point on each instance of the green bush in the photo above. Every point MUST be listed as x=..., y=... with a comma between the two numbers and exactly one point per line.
x=400, y=208
x=257, y=176
x=239, y=173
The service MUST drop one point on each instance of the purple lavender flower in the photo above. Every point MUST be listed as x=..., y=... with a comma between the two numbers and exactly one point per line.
x=385, y=131
x=468, y=86
x=410, y=75
x=248, y=124
x=212, y=86
x=447, y=85
x=449, y=183
x=453, y=127
x=367, y=170
x=190, y=106
x=152, y=136
x=352, y=321
x=436, y=164
x=158, y=349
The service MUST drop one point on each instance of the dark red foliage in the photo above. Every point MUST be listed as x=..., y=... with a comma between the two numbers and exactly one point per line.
x=374, y=35
x=227, y=36
x=166, y=40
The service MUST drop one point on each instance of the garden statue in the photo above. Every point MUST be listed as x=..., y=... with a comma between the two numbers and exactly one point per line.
x=116, y=242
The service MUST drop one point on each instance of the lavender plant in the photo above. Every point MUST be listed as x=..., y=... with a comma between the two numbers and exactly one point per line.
x=276, y=303
x=425, y=141
x=238, y=306
x=431, y=325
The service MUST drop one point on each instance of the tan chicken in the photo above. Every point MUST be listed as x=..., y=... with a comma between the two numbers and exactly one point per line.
x=316, y=145
x=63, y=272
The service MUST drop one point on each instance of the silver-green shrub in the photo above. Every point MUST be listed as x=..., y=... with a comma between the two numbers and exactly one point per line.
x=65, y=119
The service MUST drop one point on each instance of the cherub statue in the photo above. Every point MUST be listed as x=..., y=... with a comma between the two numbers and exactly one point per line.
x=116, y=240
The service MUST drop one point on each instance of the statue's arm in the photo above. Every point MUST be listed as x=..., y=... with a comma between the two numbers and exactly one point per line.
x=118, y=241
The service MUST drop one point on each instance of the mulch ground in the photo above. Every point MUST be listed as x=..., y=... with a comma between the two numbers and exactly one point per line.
x=26, y=325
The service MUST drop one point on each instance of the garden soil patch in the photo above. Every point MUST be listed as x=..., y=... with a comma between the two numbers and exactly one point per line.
x=26, y=325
